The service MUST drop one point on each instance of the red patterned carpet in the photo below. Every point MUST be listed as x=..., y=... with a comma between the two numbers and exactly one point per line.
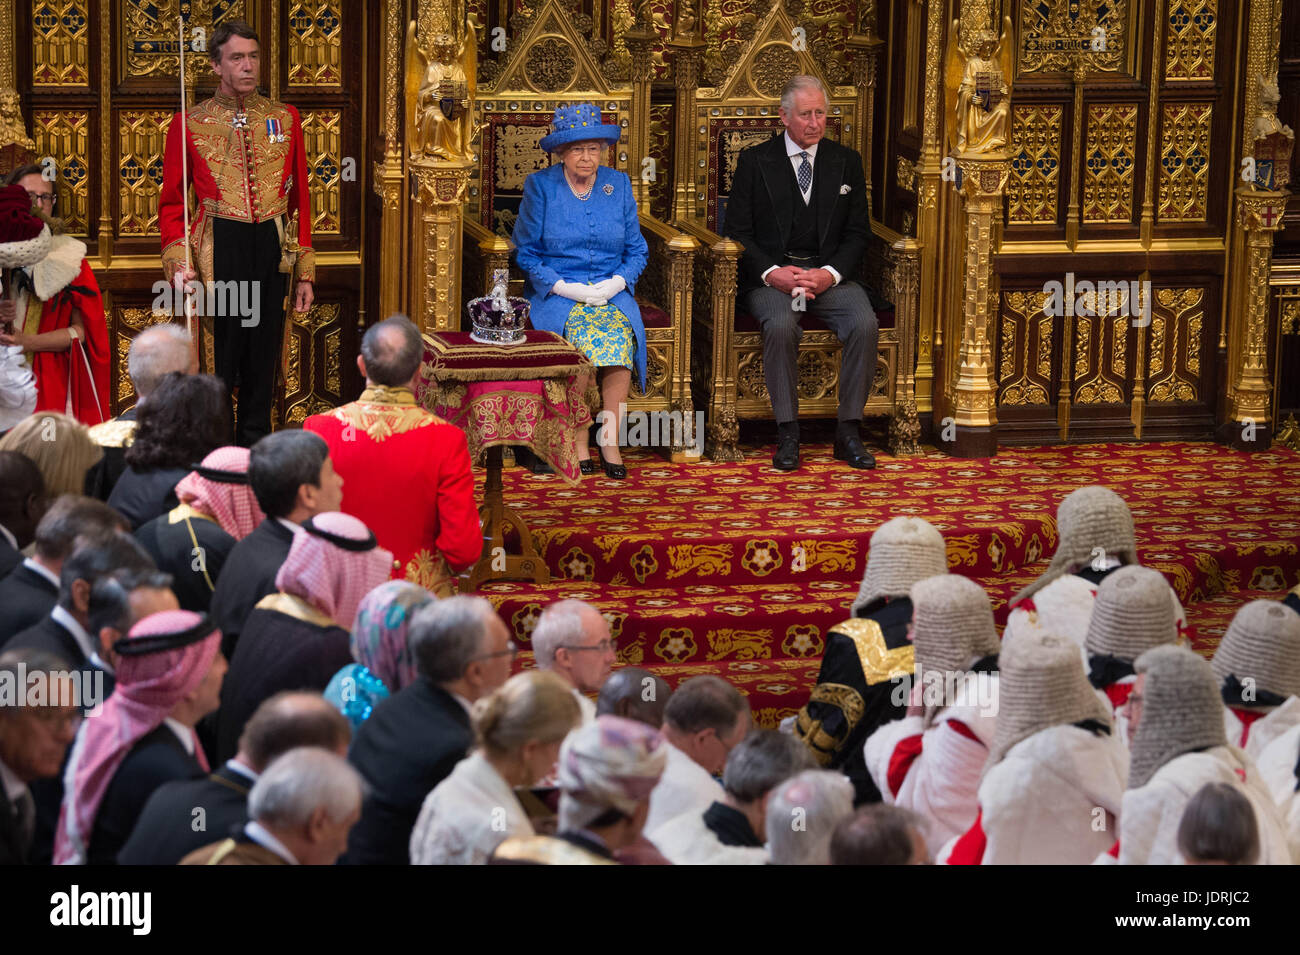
x=739, y=569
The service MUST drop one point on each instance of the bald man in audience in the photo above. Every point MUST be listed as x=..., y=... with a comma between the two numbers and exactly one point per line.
x=634, y=694
x=573, y=640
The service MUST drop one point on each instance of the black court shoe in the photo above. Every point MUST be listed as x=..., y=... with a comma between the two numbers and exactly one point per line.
x=615, y=472
x=587, y=466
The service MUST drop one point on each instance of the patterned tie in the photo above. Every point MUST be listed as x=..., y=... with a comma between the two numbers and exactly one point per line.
x=805, y=173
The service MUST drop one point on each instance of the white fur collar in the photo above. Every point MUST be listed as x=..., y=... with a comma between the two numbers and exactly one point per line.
x=60, y=266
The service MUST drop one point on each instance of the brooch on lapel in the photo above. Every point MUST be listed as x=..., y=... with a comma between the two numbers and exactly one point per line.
x=845, y=190
x=609, y=190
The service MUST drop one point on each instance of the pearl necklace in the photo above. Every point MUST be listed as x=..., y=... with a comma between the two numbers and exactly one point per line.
x=583, y=196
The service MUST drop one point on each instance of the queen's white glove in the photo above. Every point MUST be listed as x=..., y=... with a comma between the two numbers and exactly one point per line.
x=577, y=292
x=607, y=289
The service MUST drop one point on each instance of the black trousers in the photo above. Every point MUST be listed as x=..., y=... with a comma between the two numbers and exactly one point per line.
x=247, y=347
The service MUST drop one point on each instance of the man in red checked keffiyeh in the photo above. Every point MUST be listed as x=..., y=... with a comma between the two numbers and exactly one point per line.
x=299, y=637
x=192, y=541
x=51, y=312
x=248, y=166
x=169, y=677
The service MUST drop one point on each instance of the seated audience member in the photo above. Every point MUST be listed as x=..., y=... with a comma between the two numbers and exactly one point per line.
x=415, y=738
x=1134, y=611
x=572, y=640
x=186, y=419
x=1257, y=664
x=22, y=502
x=704, y=720
x=389, y=449
x=169, y=675
x=608, y=768
x=63, y=632
x=1054, y=762
x=879, y=835
x=1218, y=828
x=118, y=601
x=384, y=661
x=302, y=809
x=1096, y=537
x=292, y=480
x=193, y=540
x=297, y=639
x=60, y=446
x=518, y=729
x=802, y=814
x=625, y=691
x=31, y=590
x=33, y=743
x=1179, y=745
x=166, y=831
x=1279, y=768
x=155, y=352
x=903, y=551
x=728, y=832
x=931, y=760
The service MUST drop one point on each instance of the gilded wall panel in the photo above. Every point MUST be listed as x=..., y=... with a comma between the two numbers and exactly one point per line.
x=60, y=43
x=149, y=36
x=1025, y=350
x=142, y=135
x=1053, y=33
x=320, y=131
x=1184, y=178
x=1190, y=36
x=661, y=151
x=63, y=134
x=1174, y=364
x=1034, y=184
x=315, y=44
x=1100, y=364
x=1110, y=160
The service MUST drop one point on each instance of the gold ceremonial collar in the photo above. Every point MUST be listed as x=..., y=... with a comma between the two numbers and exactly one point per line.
x=385, y=395
x=295, y=607
x=230, y=102
x=181, y=511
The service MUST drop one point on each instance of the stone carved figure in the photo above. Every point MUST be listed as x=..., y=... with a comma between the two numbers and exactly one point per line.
x=440, y=89
x=979, y=98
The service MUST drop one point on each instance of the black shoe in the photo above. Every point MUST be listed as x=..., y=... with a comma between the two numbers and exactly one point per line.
x=526, y=457
x=787, y=453
x=849, y=449
x=615, y=472
x=587, y=466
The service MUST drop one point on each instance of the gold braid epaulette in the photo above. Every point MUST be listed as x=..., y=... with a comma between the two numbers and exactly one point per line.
x=114, y=433
x=879, y=663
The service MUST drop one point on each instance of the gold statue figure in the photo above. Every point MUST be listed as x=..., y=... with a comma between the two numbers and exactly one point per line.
x=979, y=100
x=440, y=94
x=1274, y=141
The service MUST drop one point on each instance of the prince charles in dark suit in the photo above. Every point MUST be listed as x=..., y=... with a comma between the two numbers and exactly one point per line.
x=798, y=205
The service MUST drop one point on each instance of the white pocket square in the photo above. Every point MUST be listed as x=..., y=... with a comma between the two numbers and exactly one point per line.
x=845, y=190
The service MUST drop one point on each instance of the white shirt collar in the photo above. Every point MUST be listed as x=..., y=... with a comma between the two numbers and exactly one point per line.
x=296, y=528
x=469, y=707
x=793, y=149
x=183, y=733
x=33, y=564
x=61, y=616
x=13, y=786
x=258, y=833
x=13, y=541
x=97, y=661
x=235, y=766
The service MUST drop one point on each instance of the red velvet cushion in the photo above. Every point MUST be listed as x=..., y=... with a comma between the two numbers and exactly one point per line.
x=652, y=316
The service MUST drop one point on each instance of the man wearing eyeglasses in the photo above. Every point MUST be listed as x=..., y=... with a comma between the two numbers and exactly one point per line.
x=573, y=639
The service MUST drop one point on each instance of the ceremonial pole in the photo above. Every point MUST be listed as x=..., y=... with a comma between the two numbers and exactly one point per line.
x=185, y=178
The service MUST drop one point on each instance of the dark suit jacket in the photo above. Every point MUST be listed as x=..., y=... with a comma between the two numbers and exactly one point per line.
x=13, y=849
x=154, y=760
x=760, y=209
x=249, y=575
x=172, y=550
x=108, y=470
x=140, y=496
x=165, y=833
x=275, y=652
x=10, y=556
x=410, y=743
x=26, y=598
x=52, y=637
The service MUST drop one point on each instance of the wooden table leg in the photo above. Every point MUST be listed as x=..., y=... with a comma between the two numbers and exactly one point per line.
x=496, y=563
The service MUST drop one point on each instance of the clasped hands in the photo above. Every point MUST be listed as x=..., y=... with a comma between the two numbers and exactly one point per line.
x=598, y=294
x=789, y=278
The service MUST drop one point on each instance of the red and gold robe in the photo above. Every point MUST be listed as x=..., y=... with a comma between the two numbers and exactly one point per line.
x=406, y=474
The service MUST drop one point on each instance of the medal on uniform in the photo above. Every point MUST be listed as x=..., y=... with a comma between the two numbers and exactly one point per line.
x=241, y=120
x=273, y=130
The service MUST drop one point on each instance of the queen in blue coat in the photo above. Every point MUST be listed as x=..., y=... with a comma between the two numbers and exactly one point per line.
x=579, y=243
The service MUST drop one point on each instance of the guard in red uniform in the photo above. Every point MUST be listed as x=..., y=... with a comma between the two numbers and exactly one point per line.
x=407, y=472
x=248, y=166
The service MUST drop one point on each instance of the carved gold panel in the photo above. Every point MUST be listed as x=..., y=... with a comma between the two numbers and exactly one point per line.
x=1100, y=363
x=320, y=131
x=661, y=151
x=1174, y=364
x=1033, y=185
x=314, y=384
x=150, y=44
x=1052, y=33
x=315, y=44
x=518, y=155
x=142, y=135
x=1184, y=174
x=1109, y=161
x=1025, y=350
x=1190, y=36
x=64, y=134
x=126, y=325
x=60, y=43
